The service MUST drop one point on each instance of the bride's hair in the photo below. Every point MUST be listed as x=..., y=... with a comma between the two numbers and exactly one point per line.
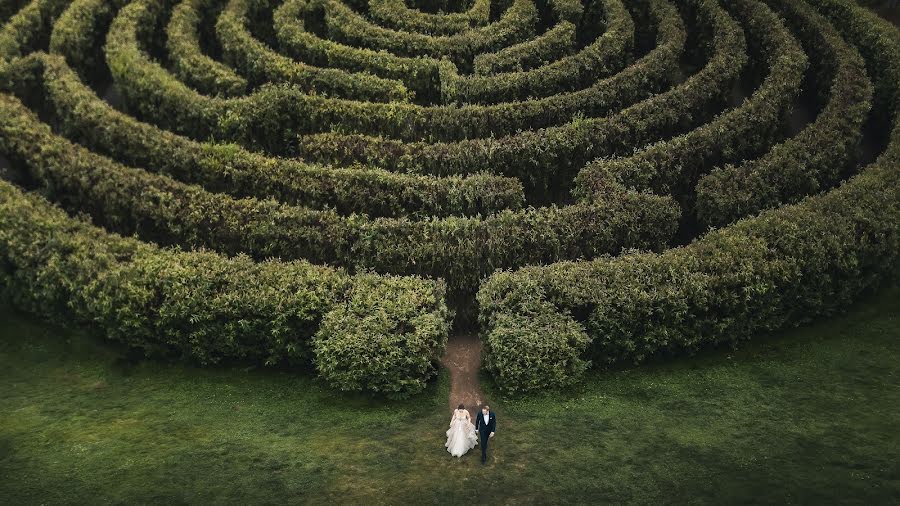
x=461, y=406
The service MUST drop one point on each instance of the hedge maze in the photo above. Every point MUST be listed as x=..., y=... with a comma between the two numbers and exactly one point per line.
x=328, y=184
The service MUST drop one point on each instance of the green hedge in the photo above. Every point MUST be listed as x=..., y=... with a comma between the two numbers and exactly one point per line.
x=421, y=75
x=460, y=250
x=536, y=347
x=567, y=10
x=378, y=343
x=411, y=123
x=29, y=28
x=269, y=118
x=78, y=35
x=672, y=167
x=188, y=62
x=781, y=268
x=436, y=6
x=548, y=47
x=552, y=156
x=397, y=15
x=815, y=158
x=8, y=8
x=605, y=56
x=515, y=25
x=266, y=119
x=876, y=44
x=263, y=65
x=209, y=308
x=86, y=119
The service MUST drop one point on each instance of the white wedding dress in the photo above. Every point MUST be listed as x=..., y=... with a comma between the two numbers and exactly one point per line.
x=461, y=436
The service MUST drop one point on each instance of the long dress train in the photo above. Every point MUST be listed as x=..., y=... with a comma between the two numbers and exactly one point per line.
x=461, y=436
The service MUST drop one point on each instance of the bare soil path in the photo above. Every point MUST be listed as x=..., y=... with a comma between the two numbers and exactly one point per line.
x=463, y=360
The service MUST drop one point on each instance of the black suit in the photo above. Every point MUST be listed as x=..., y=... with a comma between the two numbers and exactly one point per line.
x=484, y=431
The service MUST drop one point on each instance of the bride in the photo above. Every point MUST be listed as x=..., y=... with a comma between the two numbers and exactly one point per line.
x=461, y=436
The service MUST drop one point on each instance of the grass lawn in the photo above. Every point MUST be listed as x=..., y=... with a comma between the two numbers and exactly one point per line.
x=810, y=416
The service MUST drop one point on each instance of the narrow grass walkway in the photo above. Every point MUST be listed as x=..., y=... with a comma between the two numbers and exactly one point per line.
x=808, y=416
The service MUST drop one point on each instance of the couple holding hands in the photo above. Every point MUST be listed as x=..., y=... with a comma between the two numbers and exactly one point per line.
x=463, y=435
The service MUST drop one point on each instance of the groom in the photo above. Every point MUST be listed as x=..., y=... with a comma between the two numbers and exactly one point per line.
x=486, y=424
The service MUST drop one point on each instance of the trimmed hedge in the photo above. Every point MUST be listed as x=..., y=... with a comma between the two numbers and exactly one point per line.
x=208, y=308
x=397, y=15
x=266, y=119
x=269, y=118
x=188, y=62
x=605, y=56
x=550, y=46
x=436, y=6
x=544, y=326
x=378, y=344
x=460, y=250
x=421, y=75
x=29, y=28
x=567, y=10
x=263, y=65
x=537, y=347
x=515, y=25
x=8, y=8
x=781, y=268
x=551, y=157
x=85, y=118
x=77, y=32
x=815, y=158
x=877, y=47
x=672, y=167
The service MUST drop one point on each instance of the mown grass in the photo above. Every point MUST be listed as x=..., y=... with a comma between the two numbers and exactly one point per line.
x=809, y=416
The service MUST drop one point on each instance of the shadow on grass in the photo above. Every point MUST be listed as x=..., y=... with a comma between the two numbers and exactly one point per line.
x=806, y=416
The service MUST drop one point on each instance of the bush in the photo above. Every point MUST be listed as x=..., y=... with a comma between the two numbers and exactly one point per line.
x=397, y=15
x=672, y=167
x=421, y=75
x=200, y=306
x=29, y=28
x=90, y=121
x=873, y=38
x=375, y=341
x=605, y=56
x=535, y=348
x=778, y=269
x=550, y=157
x=269, y=118
x=263, y=65
x=76, y=32
x=552, y=45
x=567, y=10
x=460, y=250
x=8, y=8
x=408, y=122
x=189, y=63
x=515, y=25
x=812, y=160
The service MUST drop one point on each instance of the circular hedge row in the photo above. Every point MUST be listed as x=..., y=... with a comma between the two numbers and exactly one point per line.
x=326, y=183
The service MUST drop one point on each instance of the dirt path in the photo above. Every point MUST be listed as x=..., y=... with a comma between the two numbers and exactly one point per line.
x=463, y=360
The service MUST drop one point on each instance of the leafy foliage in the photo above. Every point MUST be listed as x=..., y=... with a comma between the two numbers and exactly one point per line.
x=382, y=337
x=570, y=142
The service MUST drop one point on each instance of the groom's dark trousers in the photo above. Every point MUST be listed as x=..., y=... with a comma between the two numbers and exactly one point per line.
x=484, y=431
